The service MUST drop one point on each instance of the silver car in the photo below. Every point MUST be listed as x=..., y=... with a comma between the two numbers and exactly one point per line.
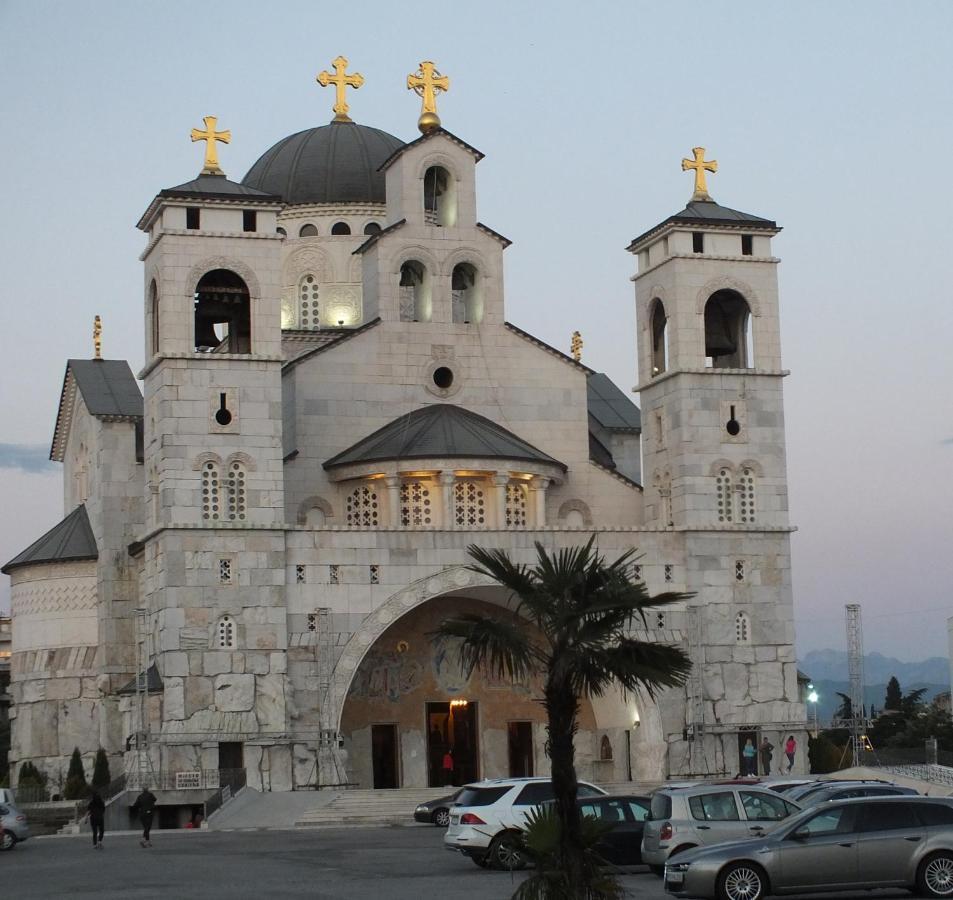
x=708, y=814
x=846, y=845
x=13, y=826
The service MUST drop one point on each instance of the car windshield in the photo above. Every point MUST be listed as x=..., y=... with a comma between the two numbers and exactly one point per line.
x=481, y=796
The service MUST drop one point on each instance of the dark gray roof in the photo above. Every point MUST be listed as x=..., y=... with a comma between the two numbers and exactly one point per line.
x=441, y=430
x=336, y=163
x=70, y=540
x=709, y=213
x=609, y=406
x=217, y=187
x=152, y=682
x=428, y=136
x=599, y=453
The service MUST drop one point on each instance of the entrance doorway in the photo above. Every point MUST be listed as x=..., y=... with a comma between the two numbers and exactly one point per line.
x=452, y=729
x=231, y=757
x=748, y=763
x=520, y=742
x=384, y=755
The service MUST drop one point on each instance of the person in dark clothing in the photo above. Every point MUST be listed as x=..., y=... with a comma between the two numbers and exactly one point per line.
x=145, y=805
x=96, y=811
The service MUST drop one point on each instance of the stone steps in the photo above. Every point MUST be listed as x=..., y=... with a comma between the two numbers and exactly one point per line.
x=371, y=807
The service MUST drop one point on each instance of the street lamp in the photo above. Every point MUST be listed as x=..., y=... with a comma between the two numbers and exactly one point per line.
x=812, y=698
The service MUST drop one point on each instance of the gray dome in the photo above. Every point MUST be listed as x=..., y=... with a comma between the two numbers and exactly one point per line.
x=335, y=163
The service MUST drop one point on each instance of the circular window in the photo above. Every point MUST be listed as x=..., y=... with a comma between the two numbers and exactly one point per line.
x=443, y=377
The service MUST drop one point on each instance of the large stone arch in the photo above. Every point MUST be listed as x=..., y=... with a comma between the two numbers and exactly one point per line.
x=212, y=263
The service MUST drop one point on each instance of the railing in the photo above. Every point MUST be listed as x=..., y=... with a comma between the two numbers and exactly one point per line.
x=197, y=779
x=934, y=774
x=233, y=781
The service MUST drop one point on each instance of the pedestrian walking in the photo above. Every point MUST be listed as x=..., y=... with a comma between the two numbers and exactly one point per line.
x=766, y=749
x=749, y=753
x=145, y=806
x=96, y=813
x=790, y=748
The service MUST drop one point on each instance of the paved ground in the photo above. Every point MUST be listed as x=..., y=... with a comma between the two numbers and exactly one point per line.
x=252, y=809
x=352, y=863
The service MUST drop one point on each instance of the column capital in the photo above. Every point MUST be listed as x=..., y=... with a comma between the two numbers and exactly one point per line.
x=501, y=478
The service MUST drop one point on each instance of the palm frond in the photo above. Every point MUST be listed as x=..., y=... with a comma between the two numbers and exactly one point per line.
x=634, y=664
x=500, y=645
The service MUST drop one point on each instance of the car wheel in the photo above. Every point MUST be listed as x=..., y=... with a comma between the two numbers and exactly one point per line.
x=441, y=817
x=935, y=875
x=505, y=852
x=742, y=881
x=7, y=840
x=481, y=859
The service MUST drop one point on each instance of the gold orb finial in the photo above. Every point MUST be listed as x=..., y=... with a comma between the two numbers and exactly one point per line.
x=700, y=166
x=426, y=82
x=341, y=83
x=97, y=338
x=210, y=136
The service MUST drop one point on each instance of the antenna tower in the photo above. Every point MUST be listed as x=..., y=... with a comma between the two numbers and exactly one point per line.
x=855, y=669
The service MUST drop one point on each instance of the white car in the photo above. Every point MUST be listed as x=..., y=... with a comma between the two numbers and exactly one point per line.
x=489, y=815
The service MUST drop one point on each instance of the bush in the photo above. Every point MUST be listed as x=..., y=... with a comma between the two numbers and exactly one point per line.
x=76, y=787
x=31, y=784
x=101, y=776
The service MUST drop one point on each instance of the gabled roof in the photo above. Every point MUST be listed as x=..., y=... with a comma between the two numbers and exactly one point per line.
x=343, y=334
x=599, y=453
x=565, y=357
x=386, y=164
x=701, y=213
x=609, y=406
x=374, y=238
x=443, y=431
x=69, y=541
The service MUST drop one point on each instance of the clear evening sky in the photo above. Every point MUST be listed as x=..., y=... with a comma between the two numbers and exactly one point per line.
x=832, y=118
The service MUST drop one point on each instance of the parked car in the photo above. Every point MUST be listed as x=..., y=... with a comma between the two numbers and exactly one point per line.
x=485, y=824
x=802, y=794
x=846, y=845
x=848, y=791
x=14, y=828
x=708, y=814
x=437, y=812
x=783, y=784
x=626, y=813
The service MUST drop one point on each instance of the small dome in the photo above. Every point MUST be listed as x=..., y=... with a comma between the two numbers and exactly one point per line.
x=335, y=163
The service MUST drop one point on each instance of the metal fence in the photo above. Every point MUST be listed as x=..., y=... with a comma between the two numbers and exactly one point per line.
x=197, y=779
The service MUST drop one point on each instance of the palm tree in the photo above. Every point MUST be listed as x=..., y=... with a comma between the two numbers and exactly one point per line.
x=583, y=609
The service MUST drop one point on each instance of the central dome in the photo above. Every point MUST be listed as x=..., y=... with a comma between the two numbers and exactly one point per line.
x=335, y=163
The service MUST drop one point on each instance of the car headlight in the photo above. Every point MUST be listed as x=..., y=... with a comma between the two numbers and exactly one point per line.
x=677, y=867
x=421, y=808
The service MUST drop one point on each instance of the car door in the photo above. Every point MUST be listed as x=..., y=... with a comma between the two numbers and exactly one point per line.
x=820, y=852
x=612, y=815
x=889, y=835
x=532, y=795
x=717, y=818
x=763, y=811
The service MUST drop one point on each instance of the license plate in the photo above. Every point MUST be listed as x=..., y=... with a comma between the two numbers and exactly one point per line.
x=674, y=877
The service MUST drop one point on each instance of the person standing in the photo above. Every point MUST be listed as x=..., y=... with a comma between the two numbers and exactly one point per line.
x=790, y=748
x=749, y=754
x=96, y=813
x=145, y=805
x=766, y=749
x=448, y=768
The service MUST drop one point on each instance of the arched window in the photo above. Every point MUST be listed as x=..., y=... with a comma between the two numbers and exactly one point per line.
x=742, y=629
x=308, y=305
x=727, y=335
x=746, y=498
x=469, y=504
x=308, y=230
x=605, y=748
x=440, y=197
x=416, y=507
x=235, y=487
x=466, y=296
x=154, y=312
x=211, y=494
x=515, y=506
x=724, y=495
x=414, y=293
x=362, y=508
x=659, y=338
x=372, y=228
x=225, y=634
x=222, y=313
x=340, y=228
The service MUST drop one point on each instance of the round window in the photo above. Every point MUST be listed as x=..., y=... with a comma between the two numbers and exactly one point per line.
x=443, y=377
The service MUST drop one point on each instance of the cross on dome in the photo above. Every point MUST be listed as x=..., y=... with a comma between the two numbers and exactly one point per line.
x=341, y=83
x=699, y=164
x=210, y=136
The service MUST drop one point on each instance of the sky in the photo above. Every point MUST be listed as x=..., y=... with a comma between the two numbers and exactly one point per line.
x=832, y=119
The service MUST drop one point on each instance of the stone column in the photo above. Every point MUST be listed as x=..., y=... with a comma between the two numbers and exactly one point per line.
x=537, y=489
x=393, y=500
x=447, y=480
x=500, y=481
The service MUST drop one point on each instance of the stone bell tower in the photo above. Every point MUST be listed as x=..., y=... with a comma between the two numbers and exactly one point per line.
x=714, y=458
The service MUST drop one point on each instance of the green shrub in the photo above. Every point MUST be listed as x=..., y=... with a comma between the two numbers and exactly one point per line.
x=76, y=787
x=101, y=776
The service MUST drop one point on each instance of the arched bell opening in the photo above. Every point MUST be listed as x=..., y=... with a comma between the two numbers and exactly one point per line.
x=659, y=322
x=154, y=314
x=728, y=343
x=414, y=293
x=222, y=313
x=466, y=295
x=440, y=197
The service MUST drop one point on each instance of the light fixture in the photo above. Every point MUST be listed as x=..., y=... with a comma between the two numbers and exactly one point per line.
x=458, y=703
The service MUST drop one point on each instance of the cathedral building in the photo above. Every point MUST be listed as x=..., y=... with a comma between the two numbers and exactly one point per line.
x=264, y=525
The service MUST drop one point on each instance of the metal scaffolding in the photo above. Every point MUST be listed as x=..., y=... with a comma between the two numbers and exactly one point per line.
x=855, y=669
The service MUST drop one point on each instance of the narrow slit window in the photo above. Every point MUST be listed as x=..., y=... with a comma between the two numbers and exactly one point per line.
x=739, y=570
x=698, y=242
x=637, y=572
x=669, y=573
x=299, y=575
x=660, y=620
x=334, y=574
x=225, y=571
x=312, y=621
x=249, y=220
x=192, y=218
x=375, y=574
x=747, y=245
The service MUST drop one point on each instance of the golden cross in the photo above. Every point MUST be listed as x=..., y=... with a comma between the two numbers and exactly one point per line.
x=700, y=165
x=341, y=83
x=98, y=337
x=575, y=346
x=425, y=83
x=210, y=136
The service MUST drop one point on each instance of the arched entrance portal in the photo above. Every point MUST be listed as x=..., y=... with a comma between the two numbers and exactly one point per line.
x=413, y=718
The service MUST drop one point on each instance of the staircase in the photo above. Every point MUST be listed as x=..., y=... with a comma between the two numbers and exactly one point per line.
x=369, y=807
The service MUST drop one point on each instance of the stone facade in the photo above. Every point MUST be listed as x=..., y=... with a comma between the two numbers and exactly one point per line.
x=286, y=603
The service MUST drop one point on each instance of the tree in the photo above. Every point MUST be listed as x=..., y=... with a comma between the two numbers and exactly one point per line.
x=846, y=708
x=101, y=777
x=893, y=698
x=33, y=781
x=582, y=608
x=76, y=786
